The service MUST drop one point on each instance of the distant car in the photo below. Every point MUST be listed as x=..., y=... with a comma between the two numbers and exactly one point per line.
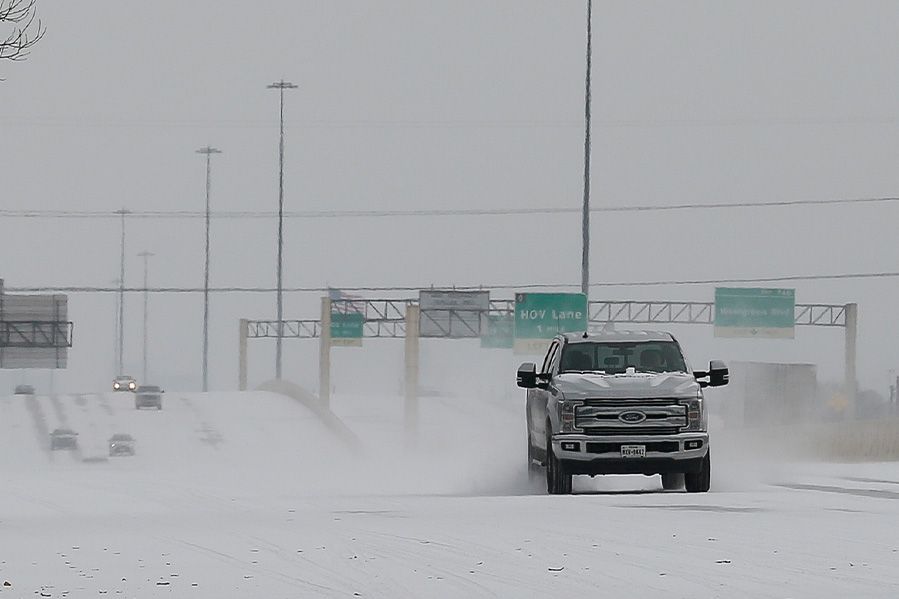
x=124, y=383
x=148, y=396
x=24, y=390
x=63, y=438
x=121, y=444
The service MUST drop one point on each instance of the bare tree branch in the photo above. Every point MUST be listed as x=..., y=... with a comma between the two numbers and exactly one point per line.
x=26, y=29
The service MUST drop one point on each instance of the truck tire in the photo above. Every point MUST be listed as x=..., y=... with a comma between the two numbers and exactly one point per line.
x=699, y=482
x=558, y=482
x=673, y=481
x=533, y=467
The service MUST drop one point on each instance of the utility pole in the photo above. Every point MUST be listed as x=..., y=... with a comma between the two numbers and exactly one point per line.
x=280, y=86
x=585, y=224
x=208, y=151
x=145, y=255
x=121, y=348
x=115, y=342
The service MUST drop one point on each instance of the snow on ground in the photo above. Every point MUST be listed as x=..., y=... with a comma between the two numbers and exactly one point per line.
x=248, y=495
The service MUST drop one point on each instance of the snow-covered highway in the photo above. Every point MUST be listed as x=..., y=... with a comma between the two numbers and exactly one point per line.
x=249, y=495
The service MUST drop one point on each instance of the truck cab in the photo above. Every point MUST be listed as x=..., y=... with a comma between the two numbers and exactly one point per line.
x=619, y=402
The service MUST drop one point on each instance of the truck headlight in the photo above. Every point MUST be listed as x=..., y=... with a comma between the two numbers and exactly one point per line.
x=697, y=419
x=567, y=411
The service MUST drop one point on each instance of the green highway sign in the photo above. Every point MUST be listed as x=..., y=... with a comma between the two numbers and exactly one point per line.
x=540, y=316
x=754, y=312
x=346, y=329
x=498, y=331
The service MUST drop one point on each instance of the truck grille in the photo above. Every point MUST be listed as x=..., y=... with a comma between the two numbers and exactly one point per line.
x=655, y=416
x=660, y=446
x=633, y=430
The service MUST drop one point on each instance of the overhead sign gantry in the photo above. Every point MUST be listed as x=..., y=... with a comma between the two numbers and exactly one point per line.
x=403, y=318
x=34, y=331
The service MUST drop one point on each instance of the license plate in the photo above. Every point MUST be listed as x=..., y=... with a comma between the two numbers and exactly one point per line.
x=633, y=451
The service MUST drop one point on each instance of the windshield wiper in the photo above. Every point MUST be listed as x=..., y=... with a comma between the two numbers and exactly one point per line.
x=583, y=372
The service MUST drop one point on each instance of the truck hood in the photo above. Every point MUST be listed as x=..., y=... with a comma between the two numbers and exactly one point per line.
x=638, y=385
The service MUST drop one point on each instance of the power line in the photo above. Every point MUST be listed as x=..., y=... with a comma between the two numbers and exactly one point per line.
x=505, y=286
x=537, y=211
x=486, y=123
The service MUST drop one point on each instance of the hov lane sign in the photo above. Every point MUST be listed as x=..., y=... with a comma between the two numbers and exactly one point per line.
x=540, y=316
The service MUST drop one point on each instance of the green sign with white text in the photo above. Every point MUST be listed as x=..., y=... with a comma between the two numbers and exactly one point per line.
x=754, y=312
x=541, y=316
x=346, y=329
x=498, y=331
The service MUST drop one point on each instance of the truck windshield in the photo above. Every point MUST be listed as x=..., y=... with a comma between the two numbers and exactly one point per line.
x=616, y=357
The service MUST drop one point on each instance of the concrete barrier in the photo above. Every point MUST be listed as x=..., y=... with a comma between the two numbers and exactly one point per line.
x=865, y=440
x=328, y=418
x=852, y=441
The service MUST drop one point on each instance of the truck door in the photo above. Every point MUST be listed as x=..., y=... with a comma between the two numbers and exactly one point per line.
x=537, y=399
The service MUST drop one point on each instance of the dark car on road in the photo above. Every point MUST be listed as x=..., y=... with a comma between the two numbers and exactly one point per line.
x=121, y=444
x=148, y=396
x=24, y=390
x=63, y=438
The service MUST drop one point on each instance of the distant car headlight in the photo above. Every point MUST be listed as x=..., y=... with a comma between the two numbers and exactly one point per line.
x=115, y=386
x=131, y=386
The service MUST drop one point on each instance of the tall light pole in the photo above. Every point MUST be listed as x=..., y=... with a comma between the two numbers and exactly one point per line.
x=115, y=342
x=280, y=86
x=585, y=222
x=121, y=349
x=208, y=151
x=145, y=255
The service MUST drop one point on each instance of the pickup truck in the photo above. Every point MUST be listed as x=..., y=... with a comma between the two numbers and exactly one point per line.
x=619, y=402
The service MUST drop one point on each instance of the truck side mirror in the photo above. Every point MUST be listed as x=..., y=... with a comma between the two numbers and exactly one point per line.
x=719, y=375
x=527, y=375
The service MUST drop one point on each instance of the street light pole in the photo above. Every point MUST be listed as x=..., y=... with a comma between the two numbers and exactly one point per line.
x=280, y=86
x=585, y=224
x=145, y=255
x=115, y=342
x=121, y=348
x=208, y=151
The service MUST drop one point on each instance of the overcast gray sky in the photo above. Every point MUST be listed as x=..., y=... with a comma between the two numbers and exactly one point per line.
x=462, y=104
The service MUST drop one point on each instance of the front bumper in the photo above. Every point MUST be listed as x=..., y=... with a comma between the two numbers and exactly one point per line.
x=602, y=455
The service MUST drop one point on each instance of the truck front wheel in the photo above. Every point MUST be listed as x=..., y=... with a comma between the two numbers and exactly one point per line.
x=534, y=473
x=558, y=482
x=700, y=481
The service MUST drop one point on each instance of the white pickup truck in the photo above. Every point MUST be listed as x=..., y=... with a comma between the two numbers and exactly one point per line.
x=623, y=402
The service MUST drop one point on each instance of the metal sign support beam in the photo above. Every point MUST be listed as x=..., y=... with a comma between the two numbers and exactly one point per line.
x=851, y=315
x=243, y=334
x=411, y=378
x=324, y=355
